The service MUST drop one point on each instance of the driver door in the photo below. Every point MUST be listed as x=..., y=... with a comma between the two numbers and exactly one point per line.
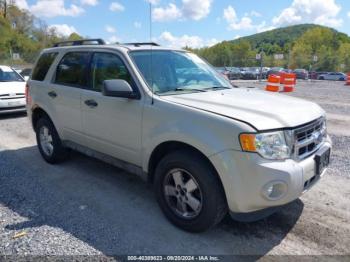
x=111, y=125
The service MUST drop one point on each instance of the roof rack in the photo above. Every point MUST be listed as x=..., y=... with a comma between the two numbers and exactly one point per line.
x=80, y=42
x=141, y=44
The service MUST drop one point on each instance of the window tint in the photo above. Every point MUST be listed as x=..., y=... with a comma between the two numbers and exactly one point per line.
x=9, y=75
x=107, y=66
x=43, y=66
x=72, y=69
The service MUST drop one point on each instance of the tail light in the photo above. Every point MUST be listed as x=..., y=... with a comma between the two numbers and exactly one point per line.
x=28, y=97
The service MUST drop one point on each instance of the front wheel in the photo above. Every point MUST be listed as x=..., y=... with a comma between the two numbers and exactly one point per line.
x=189, y=191
x=49, y=142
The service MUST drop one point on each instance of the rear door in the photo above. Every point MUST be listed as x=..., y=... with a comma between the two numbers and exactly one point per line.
x=332, y=76
x=64, y=92
x=112, y=125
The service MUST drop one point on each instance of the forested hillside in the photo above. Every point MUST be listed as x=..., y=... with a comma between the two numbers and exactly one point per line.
x=299, y=45
x=22, y=33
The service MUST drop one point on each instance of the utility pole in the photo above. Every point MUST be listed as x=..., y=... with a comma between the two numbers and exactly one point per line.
x=289, y=57
x=3, y=6
x=260, y=58
x=261, y=65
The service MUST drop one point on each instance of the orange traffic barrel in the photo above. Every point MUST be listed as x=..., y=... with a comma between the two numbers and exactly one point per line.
x=273, y=83
x=288, y=81
x=348, y=80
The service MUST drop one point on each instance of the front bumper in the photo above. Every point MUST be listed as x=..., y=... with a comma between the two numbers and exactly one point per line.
x=245, y=177
x=12, y=105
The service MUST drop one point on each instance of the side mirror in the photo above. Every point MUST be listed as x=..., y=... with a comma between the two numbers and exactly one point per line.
x=118, y=88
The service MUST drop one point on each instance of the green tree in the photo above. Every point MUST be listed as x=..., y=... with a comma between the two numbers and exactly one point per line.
x=74, y=37
x=344, y=57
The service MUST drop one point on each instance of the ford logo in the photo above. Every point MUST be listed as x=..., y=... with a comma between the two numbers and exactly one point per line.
x=317, y=137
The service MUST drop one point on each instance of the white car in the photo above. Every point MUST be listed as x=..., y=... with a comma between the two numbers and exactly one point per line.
x=333, y=77
x=168, y=116
x=12, y=91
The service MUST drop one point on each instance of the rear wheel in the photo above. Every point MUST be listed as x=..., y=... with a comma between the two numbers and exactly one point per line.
x=49, y=142
x=189, y=191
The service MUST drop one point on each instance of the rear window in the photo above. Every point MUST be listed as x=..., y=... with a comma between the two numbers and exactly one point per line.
x=72, y=70
x=9, y=75
x=43, y=66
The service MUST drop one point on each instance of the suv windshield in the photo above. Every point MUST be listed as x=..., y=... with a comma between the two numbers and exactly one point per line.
x=10, y=76
x=177, y=71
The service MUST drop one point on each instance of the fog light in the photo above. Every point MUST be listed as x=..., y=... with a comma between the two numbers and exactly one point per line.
x=274, y=190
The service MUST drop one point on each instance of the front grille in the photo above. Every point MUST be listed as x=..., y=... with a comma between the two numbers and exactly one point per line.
x=309, y=138
x=11, y=108
x=12, y=96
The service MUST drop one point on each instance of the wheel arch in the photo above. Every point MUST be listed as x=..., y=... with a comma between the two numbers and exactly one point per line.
x=170, y=146
x=38, y=113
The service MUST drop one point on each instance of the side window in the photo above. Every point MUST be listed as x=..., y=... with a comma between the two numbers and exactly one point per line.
x=72, y=70
x=106, y=66
x=43, y=66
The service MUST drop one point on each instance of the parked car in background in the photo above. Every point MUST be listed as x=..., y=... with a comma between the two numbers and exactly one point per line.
x=315, y=74
x=223, y=71
x=261, y=71
x=243, y=70
x=301, y=74
x=333, y=76
x=25, y=73
x=265, y=70
x=289, y=71
x=12, y=91
x=250, y=73
x=274, y=71
x=235, y=73
x=231, y=73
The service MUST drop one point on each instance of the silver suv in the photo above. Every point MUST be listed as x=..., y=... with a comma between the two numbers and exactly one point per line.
x=168, y=116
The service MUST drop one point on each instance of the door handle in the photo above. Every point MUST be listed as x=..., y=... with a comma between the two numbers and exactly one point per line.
x=91, y=103
x=52, y=94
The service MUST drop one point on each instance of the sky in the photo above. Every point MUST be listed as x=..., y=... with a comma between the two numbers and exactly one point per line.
x=179, y=23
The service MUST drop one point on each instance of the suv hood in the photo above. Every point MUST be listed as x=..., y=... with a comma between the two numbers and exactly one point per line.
x=261, y=109
x=12, y=88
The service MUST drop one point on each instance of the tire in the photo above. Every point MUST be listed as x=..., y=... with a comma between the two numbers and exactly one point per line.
x=205, y=188
x=55, y=152
x=321, y=78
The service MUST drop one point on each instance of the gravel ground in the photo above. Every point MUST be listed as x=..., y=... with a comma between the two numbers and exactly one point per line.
x=86, y=207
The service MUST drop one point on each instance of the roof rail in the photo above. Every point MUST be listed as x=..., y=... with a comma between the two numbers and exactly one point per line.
x=141, y=44
x=97, y=41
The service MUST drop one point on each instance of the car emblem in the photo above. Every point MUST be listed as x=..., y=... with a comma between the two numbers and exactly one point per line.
x=317, y=137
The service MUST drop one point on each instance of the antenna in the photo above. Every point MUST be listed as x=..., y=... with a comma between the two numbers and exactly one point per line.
x=150, y=39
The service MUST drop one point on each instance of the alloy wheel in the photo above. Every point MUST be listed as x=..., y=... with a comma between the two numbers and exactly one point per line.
x=46, y=141
x=182, y=193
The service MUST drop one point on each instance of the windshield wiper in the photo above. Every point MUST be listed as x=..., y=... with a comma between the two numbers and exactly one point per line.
x=217, y=88
x=189, y=89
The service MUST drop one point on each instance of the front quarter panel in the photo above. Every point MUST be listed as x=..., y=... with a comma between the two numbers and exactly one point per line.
x=168, y=122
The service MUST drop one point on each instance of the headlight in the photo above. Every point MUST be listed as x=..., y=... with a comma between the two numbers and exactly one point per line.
x=269, y=145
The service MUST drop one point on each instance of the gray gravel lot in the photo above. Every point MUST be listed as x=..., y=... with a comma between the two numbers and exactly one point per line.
x=86, y=207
